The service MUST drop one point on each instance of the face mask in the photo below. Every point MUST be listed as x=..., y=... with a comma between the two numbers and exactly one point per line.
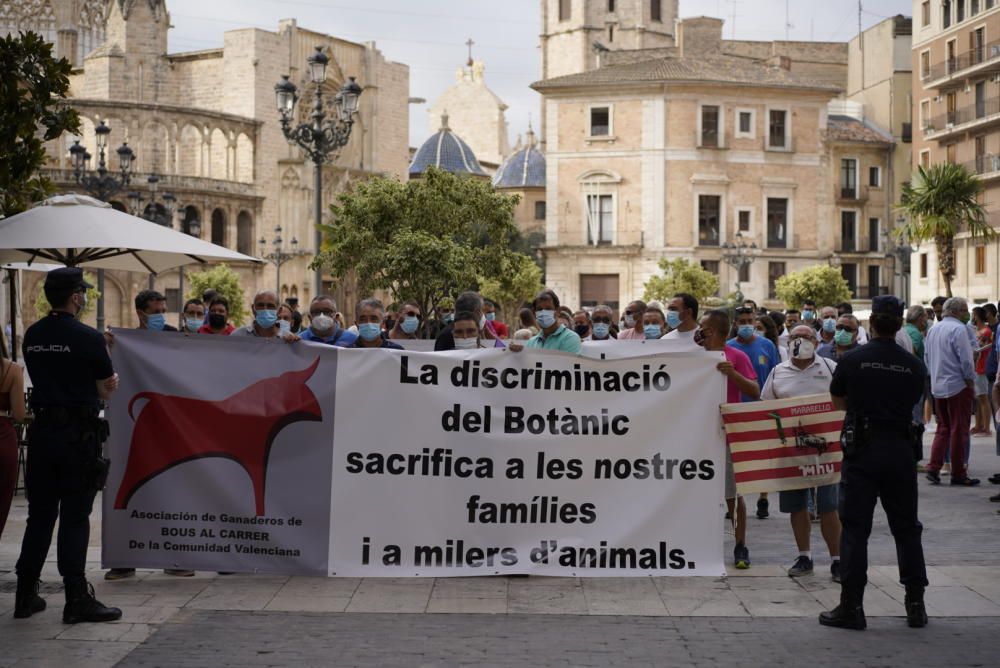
x=829, y=325
x=466, y=344
x=322, y=323
x=83, y=304
x=746, y=331
x=629, y=321
x=699, y=337
x=808, y=315
x=546, y=318
x=582, y=329
x=965, y=318
x=266, y=318
x=482, y=322
x=216, y=320
x=194, y=324
x=491, y=316
x=843, y=337
x=284, y=327
x=601, y=330
x=409, y=324
x=802, y=349
x=673, y=319
x=156, y=322
x=369, y=331
x=652, y=331
x=449, y=317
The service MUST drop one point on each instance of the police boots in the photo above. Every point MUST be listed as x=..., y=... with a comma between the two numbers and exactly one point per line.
x=27, y=601
x=849, y=614
x=81, y=606
x=916, y=613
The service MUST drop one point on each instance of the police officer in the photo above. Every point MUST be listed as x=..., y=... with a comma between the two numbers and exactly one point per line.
x=878, y=384
x=71, y=373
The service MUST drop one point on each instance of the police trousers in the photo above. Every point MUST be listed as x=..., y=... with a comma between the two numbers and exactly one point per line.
x=885, y=470
x=58, y=486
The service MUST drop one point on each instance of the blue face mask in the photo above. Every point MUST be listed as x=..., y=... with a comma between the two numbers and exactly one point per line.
x=746, y=331
x=194, y=324
x=808, y=315
x=266, y=318
x=546, y=318
x=673, y=319
x=829, y=325
x=652, y=331
x=601, y=330
x=491, y=316
x=410, y=324
x=156, y=322
x=449, y=317
x=369, y=331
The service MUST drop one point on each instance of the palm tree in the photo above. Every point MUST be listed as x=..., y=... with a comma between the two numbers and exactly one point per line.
x=939, y=203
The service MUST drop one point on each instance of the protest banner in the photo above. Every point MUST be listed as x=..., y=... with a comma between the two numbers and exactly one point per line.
x=245, y=455
x=784, y=444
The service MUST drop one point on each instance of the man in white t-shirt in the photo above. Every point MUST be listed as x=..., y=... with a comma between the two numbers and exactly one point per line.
x=682, y=318
x=803, y=374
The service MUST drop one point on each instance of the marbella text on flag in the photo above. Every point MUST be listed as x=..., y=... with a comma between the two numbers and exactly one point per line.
x=784, y=444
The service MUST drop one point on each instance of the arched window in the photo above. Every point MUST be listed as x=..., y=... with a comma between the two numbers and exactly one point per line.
x=157, y=213
x=219, y=227
x=244, y=233
x=190, y=216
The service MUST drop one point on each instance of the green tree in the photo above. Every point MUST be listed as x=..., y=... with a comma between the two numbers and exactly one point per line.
x=226, y=282
x=822, y=283
x=680, y=275
x=32, y=111
x=422, y=240
x=519, y=281
x=939, y=203
x=42, y=306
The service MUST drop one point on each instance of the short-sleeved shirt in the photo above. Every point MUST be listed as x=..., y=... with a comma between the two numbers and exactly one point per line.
x=339, y=337
x=762, y=353
x=65, y=358
x=562, y=339
x=742, y=364
x=787, y=380
x=631, y=335
x=881, y=381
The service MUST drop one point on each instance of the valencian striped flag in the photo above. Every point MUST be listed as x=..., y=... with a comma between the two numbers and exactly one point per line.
x=784, y=444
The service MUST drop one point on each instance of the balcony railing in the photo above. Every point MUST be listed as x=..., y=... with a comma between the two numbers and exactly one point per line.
x=850, y=193
x=986, y=53
x=984, y=164
x=844, y=244
x=973, y=112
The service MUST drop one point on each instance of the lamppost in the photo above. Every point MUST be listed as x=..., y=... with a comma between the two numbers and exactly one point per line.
x=194, y=229
x=901, y=252
x=151, y=211
x=101, y=186
x=739, y=254
x=279, y=255
x=319, y=138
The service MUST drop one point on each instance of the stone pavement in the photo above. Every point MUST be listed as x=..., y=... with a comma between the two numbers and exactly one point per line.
x=750, y=618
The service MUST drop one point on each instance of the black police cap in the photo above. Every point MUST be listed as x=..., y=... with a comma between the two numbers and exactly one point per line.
x=66, y=278
x=887, y=305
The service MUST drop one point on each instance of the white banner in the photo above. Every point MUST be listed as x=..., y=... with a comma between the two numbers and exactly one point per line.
x=252, y=456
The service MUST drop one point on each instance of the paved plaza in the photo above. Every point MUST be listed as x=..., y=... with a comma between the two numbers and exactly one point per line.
x=754, y=617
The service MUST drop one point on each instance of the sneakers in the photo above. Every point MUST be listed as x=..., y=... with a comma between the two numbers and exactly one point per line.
x=27, y=601
x=741, y=556
x=119, y=573
x=803, y=566
x=82, y=606
x=995, y=478
x=934, y=477
x=178, y=572
x=835, y=571
x=965, y=482
x=762, y=506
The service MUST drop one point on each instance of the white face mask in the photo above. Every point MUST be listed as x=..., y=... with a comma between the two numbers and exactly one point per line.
x=482, y=322
x=802, y=349
x=322, y=323
x=466, y=344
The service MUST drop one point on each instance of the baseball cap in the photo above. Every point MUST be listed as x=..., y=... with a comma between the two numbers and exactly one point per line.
x=887, y=305
x=66, y=278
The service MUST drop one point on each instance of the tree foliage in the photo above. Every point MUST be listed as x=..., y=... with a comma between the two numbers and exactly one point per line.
x=226, y=282
x=42, y=306
x=680, y=275
x=518, y=282
x=821, y=283
x=32, y=111
x=939, y=203
x=424, y=239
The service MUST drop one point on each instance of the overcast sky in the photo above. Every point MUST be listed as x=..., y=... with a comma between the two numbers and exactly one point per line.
x=429, y=35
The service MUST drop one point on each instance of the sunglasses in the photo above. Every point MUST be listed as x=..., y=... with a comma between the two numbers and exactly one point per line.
x=842, y=328
x=606, y=321
x=411, y=314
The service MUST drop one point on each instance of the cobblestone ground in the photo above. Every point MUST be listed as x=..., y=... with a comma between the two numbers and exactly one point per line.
x=751, y=618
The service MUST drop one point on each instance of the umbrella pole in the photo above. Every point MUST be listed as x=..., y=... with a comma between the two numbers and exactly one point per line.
x=12, y=279
x=100, y=300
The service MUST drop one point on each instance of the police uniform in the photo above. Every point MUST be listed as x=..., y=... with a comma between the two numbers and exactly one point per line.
x=881, y=383
x=65, y=360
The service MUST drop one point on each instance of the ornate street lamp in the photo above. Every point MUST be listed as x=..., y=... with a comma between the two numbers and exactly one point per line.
x=279, y=256
x=322, y=137
x=154, y=212
x=739, y=254
x=103, y=185
x=900, y=251
x=194, y=229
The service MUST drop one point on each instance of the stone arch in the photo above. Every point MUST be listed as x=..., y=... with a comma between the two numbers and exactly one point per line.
x=189, y=150
x=244, y=233
x=218, y=155
x=219, y=227
x=190, y=214
x=156, y=212
x=35, y=15
x=284, y=293
x=244, y=159
x=91, y=27
x=118, y=206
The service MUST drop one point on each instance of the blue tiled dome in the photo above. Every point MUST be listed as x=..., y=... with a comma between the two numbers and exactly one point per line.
x=446, y=150
x=523, y=169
